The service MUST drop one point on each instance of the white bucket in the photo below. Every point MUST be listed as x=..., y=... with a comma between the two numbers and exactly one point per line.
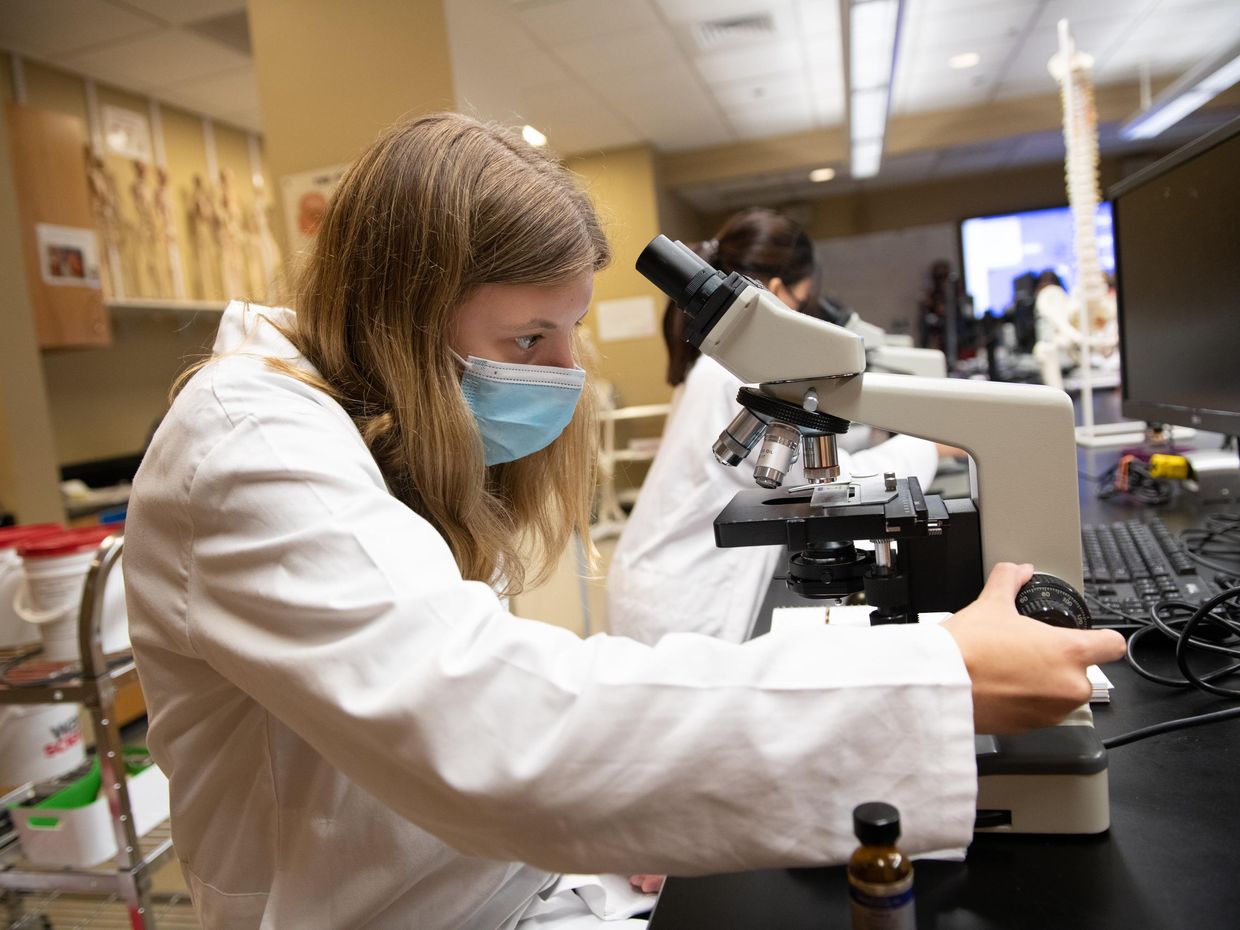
x=39, y=742
x=54, y=570
x=14, y=631
x=49, y=597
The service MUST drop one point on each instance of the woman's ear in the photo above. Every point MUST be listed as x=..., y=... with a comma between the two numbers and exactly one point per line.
x=777, y=287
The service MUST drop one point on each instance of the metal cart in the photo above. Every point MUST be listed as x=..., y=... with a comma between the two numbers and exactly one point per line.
x=128, y=876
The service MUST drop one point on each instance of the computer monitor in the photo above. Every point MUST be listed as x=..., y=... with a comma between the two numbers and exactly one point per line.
x=1177, y=233
x=999, y=249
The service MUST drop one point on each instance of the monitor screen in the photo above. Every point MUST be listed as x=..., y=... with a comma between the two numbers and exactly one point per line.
x=1177, y=231
x=999, y=249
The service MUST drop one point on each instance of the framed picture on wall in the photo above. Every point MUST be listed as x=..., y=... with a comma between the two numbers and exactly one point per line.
x=68, y=255
x=127, y=132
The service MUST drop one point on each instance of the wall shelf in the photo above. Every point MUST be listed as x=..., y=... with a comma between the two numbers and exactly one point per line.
x=166, y=304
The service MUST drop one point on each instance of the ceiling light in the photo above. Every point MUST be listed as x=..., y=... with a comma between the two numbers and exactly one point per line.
x=872, y=42
x=1186, y=94
x=964, y=60
x=869, y=113
x=866, y=157
x=533, y=136
x=821, y=174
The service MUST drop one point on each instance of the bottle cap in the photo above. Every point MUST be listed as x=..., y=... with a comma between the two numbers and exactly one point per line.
x=876, y=823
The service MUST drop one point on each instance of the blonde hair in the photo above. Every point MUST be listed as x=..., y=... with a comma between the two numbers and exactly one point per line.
x=437, y=207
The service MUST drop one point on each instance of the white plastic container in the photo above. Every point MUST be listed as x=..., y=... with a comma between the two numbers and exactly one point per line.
x=39, y=742
x=14, y=631
x=81, y=837
x=49, y=596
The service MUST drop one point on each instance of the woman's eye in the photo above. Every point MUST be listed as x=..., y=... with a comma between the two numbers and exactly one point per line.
x=525, y=343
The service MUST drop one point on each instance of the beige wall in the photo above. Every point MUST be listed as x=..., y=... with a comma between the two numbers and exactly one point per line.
x=28, y=478
x=103, y=402
x=622, y=185
x=331, y=76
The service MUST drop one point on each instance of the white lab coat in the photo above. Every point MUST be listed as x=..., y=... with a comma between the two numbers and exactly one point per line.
x=357, y=737
x=666, y=573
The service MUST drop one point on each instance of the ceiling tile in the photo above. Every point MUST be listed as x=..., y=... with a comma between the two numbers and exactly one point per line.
x=959, y=33
x=557, y=22
x=768, y=91
x=674, y=115
x=694, y=11
x=818, y=18
x=574, y=118
x=157, y=60
x=756, y=60
x=48, y=28
x=761, y=121
x=179, y=12
x=621, y=51
x=1094, y=10
x=227, y=91
x=1215, y=27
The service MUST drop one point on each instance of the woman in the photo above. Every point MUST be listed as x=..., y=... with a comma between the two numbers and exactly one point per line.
x=357, y=733
x=666, y=573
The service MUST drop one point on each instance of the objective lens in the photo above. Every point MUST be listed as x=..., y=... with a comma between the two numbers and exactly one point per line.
x=741, y=435
x=779, y=451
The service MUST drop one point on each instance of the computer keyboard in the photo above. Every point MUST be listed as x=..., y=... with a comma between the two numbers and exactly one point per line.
x=1130, y=566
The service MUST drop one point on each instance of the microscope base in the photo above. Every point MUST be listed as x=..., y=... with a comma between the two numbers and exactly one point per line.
x=1052, y=780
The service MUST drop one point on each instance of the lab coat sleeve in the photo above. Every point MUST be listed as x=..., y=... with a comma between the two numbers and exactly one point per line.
x=343, y=613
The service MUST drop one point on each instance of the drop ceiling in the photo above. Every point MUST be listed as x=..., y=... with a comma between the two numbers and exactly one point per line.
x=678, y=74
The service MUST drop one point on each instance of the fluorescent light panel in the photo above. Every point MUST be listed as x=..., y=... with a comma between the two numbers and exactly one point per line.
x=1185, y=95
x=869, y=113
x=533, y=136
x=872, y=29
x=866, y=157
x=872, y=38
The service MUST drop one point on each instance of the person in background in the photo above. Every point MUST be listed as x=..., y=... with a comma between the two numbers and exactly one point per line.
x=666, y=572
x=358, y=733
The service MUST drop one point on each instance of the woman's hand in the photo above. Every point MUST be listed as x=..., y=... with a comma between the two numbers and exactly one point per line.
x=647, y=883
x=1026, y=674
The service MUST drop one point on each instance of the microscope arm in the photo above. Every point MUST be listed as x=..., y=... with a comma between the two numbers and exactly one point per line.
x=1020, y=436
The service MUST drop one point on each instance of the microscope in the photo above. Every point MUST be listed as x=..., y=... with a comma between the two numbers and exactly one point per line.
x=929, y=554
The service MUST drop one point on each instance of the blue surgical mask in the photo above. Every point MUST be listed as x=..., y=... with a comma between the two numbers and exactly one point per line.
x=519, y=408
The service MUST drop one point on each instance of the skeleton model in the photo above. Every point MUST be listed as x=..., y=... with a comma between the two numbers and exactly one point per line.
x=263, y=244
x=166, y=234
x=230, y=232
x=1061, y=319
x=106, y=209
x=204, y=223
x=146, y=234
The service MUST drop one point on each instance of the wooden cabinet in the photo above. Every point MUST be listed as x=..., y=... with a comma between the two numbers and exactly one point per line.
x=49, y=174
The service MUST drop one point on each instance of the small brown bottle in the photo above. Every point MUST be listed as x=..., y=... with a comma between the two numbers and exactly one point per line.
x=880, y=878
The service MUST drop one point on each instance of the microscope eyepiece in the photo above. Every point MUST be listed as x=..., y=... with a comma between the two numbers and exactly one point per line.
x=703, y=292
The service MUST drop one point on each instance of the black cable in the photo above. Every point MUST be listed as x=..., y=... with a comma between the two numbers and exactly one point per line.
x=1168, y=725
x=1180, y=630
x=1204, y=682
x=1186, y=626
